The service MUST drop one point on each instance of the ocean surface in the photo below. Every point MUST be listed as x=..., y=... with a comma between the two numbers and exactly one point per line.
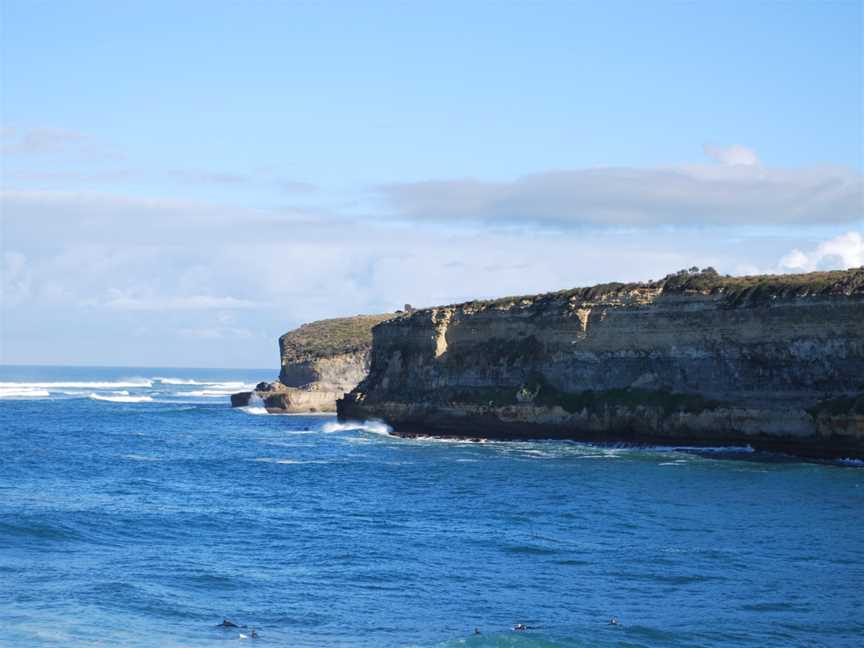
x=138, y=509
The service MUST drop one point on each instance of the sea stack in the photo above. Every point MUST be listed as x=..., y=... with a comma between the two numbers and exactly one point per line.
x=320, y=362
x=773, y=361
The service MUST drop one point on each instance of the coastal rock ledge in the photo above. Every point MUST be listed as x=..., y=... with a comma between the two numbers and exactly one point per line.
x=320, y=362
x=775, y=362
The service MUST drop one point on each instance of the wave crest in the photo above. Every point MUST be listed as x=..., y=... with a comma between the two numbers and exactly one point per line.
x=373, y=427
x=121, y=399
x=23, y=392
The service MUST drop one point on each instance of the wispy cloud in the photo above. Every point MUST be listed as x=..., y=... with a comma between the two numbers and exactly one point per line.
x=216, y=333
x=53, y=142
x=178, y=303
x=735, y=155
x=731, y=194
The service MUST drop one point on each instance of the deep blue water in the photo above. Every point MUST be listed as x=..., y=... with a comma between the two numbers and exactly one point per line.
x=145, y=523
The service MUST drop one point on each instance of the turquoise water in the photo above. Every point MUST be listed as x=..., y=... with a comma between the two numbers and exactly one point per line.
x=137, y=509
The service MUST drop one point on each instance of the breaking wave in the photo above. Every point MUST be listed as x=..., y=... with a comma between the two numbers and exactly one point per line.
x=254, y=410
x=851, y=462
x=23, y=392
x=205, y=393
x=121, y=399
x=374, y=427
x=211, y=384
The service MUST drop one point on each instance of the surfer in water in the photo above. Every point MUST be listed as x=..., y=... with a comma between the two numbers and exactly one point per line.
x=614, y=621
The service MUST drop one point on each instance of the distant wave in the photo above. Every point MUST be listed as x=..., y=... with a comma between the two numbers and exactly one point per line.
x=131, y=382
x=226, y=385
x=23, y=392
x=204, y=393
x=122, y=399
x=374, y=427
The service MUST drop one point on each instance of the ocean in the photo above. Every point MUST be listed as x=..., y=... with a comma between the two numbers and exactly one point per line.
x=138, y=509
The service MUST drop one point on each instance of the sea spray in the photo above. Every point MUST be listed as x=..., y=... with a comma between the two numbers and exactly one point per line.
x=373, y=427
x=255, y=406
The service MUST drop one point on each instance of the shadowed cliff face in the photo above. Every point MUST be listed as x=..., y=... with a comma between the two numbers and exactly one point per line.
x=321, y=361
x=777, y=362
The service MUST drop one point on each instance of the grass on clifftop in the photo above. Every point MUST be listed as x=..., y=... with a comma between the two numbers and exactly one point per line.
x=331, y=336
x=735, y=290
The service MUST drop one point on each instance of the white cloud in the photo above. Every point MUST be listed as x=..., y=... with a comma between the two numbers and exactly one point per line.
x=198, y=283
x=735, y=155
x=687, y=195
x=839, y=253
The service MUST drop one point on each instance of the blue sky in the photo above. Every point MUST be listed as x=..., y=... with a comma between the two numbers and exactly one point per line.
x=182, y=182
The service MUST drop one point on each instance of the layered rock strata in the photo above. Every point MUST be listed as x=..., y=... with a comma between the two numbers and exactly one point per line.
x=774, y=362
x=320, y=362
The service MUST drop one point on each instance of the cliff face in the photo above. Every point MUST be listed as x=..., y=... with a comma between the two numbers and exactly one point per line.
x=774, y=362
x=321, y=361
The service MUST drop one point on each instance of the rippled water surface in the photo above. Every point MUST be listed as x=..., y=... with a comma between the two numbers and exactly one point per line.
x=138, y=509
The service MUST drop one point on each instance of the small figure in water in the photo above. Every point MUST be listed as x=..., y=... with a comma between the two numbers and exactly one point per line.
x=520, y=627
x=227, y=624
x=614, y=621
x=254, y=633
x=477, y=631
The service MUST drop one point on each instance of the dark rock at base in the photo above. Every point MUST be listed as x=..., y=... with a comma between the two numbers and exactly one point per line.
x=241, y=399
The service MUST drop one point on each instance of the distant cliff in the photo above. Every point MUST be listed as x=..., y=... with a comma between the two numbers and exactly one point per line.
x=776, y=362
x=321, y=361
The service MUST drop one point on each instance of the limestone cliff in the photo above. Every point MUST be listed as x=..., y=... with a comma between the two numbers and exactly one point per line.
x=776, y=362
x=320, y=361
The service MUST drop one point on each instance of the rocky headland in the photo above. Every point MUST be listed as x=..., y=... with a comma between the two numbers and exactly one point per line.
x=774, y=361
x=320, y=361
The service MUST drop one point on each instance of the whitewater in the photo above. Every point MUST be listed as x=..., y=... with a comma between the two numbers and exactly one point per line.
x=137, y=508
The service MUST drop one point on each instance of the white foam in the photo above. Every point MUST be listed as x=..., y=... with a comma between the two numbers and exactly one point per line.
x=374, y=427
x=255, y=406
x=229, y=385
x=23, y=392
x=256, y=411
x=850, y=462
x=290, y=462
x=122, y=399
x=719, y=449
x=204, y=393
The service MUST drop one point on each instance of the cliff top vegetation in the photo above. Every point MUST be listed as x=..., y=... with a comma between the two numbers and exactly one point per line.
x=707, y=281
x=330, y=337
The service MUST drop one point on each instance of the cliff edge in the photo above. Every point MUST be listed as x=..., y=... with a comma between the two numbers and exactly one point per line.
x=320, y=362
x=771, y=361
